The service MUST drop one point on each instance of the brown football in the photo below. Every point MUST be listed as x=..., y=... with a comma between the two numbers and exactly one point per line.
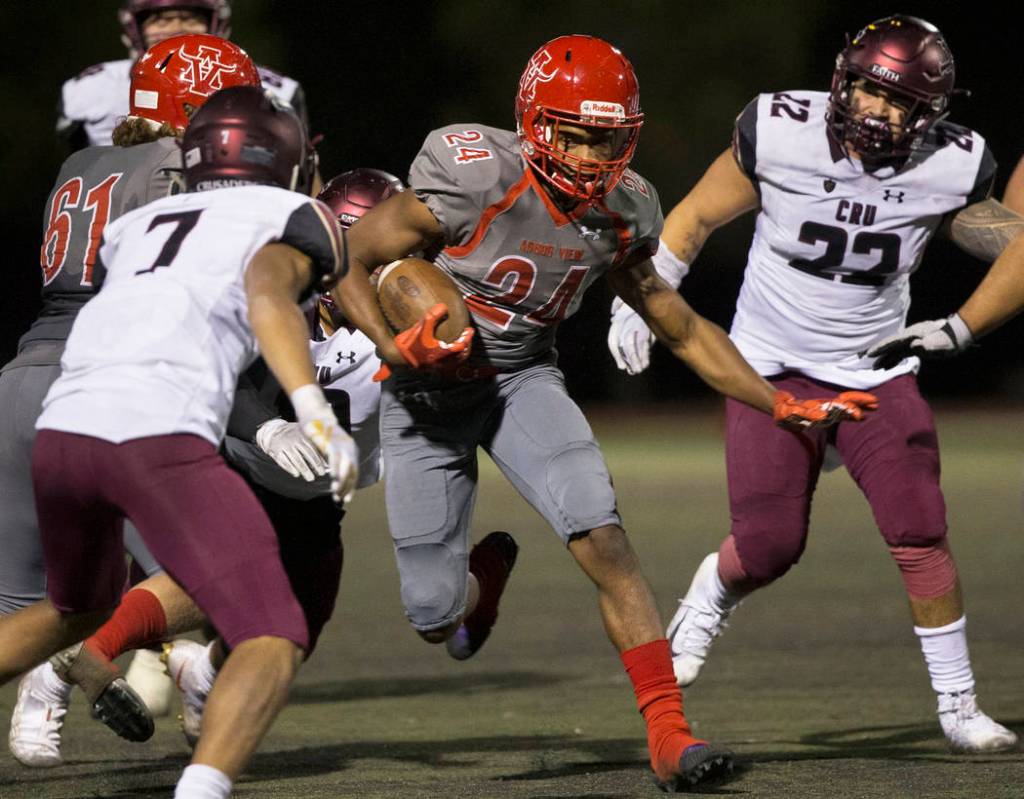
x=410, y=287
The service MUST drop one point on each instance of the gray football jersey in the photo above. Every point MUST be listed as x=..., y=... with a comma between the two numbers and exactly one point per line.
x=94, y=187
x=521, y=262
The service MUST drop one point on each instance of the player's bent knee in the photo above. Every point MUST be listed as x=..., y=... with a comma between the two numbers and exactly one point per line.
x=433, y=585
x=579, y=486
x=767, y=554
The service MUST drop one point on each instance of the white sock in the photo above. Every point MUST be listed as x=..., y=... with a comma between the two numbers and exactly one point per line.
x=945, y=654
x=202, y=782
x=57, y=690
x=718, y=593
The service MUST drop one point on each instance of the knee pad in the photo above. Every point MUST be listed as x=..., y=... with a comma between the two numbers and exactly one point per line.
x=580, y=488
x=433, y=585
x=769, y=547
x=927, y=572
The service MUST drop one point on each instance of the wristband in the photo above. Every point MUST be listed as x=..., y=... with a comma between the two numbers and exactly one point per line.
x=670, y=268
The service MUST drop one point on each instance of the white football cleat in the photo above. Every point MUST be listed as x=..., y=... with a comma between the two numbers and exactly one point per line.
x=38, y=717
x=970, y=731
x=701, y=618
x=149, y=678
x=188, y=665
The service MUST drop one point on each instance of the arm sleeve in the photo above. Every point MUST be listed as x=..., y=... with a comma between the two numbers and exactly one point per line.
x=434, y=180
x=250, y=408
x=744, y=141
x=313, y=229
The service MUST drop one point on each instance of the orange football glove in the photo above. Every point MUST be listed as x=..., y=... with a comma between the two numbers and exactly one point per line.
x=422, y=349
x=850, y=406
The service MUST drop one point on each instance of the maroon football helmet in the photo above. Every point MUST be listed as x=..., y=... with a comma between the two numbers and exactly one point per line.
x=242, y=137
x=133, y=12
x=351, y=194
x=581, y=81
x=907, y=58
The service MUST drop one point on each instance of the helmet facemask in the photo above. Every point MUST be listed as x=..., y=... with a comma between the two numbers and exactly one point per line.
x=585, y=179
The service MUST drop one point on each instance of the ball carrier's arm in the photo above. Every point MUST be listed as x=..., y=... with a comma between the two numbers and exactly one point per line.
x=400, y=225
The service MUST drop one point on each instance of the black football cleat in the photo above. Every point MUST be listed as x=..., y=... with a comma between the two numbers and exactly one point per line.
x=111, y=699
x=491, y=562
x=123, y=710
x=702, y=765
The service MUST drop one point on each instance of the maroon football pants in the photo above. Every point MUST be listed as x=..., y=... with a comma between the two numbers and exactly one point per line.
x=893, y=456
x=197, y=517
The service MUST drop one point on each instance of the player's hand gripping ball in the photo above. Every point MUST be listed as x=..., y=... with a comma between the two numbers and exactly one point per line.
x=423, y=303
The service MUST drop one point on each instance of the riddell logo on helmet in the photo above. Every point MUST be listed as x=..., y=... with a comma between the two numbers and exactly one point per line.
x=885, y=72
x=204, y=70
x=535, y=74
x=597, y=108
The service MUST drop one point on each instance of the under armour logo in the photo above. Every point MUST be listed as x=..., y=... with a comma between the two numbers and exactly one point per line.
x=587, y=233
x=351, y=357
x=204, y=70
x=893, y=195
x=535, y=74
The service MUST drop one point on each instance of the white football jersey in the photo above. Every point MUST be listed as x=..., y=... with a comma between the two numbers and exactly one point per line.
x=345, y=363
x=160, y=348
x=828, y=272
x=97, y=99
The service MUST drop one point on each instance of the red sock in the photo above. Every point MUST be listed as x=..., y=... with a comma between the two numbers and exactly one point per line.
x=661, y=703
x=138, y=620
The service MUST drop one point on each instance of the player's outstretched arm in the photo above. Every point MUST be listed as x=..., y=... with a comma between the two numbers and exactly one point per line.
x=393, y=229
x=721, y=195
x=705, y=348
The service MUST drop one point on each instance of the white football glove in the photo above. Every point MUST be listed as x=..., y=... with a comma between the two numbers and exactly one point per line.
x=629, y=339
x=290, y=449
x=936, y=338
x=321, y=426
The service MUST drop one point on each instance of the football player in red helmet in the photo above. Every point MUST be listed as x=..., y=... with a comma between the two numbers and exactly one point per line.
x=849, y=187
x=92, y=103
x=175, y=76
x=578, y=116
x=525, y=221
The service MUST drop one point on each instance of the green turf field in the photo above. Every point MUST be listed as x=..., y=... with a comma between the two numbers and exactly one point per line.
x=818, y=685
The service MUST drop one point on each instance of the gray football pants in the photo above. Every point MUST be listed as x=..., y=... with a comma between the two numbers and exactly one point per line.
x=22, y=572
x=430, y=431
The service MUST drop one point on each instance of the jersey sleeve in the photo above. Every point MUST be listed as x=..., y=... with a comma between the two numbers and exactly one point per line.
x=454, y=197
x=744, y=140
x=985, y=179
x=313, y=229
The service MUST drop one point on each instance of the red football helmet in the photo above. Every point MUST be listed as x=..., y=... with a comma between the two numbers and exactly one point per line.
x=133, y=13
x=243, y=137
x=351, y=194
x=186, y=70
x=909, y=59
x=584, y=82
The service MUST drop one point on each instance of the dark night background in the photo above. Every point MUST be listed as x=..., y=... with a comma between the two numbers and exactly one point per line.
x=379, y=75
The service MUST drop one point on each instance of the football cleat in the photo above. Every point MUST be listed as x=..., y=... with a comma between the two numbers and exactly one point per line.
x=188, y=665
x=111, y=699
x=491, y=562
x=701, y=764
x=968, y=730
x=38, y=717
x=698, y=622
x=147, y=676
